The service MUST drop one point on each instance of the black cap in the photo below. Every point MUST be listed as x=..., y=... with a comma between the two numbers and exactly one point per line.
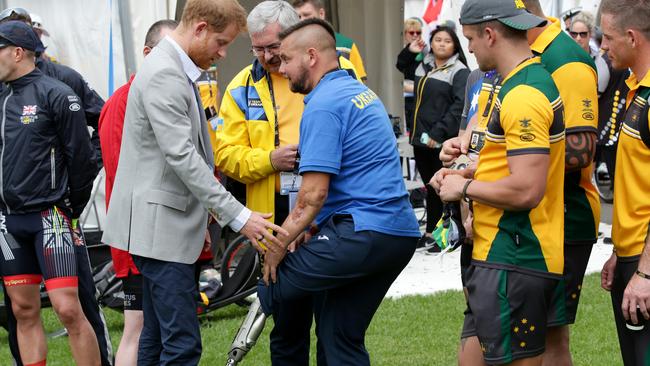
x=512, y=13
x=19, y=34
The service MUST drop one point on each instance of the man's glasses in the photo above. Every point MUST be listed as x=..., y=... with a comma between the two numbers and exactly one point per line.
x=261, y=50
x=414, y=33
x=575, y=35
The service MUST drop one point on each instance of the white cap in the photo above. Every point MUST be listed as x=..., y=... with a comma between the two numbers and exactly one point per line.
x=37, y=22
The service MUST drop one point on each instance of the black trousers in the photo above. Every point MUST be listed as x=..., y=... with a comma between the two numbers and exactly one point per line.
x=427, y=161
x=348, y=274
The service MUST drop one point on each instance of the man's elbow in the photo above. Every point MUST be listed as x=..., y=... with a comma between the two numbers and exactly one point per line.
x=529, y=199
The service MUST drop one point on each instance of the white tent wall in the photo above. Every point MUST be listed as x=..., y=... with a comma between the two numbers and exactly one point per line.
x=79, y=33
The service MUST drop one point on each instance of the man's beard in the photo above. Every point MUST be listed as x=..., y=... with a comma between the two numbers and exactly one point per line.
x=299, y=84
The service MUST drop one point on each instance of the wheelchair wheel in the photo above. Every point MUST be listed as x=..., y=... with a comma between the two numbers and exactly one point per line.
x=236, y=251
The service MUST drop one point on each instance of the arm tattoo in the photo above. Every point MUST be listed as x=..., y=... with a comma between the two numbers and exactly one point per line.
x=580, y=148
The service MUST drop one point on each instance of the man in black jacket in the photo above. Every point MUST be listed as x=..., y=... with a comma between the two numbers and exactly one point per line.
x=47, y=168
x=91, y=104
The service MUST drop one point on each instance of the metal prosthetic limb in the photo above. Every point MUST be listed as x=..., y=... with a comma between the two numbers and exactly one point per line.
x=248, y=333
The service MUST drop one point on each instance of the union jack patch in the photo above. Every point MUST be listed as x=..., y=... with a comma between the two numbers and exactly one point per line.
x=29, y=110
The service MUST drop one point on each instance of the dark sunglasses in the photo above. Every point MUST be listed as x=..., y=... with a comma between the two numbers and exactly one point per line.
x=414, y=33
x=580, y=34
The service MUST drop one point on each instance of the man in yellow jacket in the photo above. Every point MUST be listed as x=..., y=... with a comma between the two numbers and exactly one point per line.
x=257, y=136
x=251, y=147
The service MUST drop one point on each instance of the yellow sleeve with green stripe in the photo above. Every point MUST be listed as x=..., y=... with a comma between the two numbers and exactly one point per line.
x=526, y=117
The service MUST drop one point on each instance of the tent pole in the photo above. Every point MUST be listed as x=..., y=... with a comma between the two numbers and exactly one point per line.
x=127, y=37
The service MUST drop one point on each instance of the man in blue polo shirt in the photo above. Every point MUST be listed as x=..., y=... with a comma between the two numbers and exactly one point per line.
x=352, y=190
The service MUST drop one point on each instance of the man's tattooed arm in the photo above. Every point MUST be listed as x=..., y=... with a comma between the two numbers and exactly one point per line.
x=580, y=150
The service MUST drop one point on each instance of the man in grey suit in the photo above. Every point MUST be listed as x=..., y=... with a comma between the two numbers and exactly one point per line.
x=164, y=186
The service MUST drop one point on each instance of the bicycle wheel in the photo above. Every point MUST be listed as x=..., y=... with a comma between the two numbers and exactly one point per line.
x=603, y=182
x=234, y=254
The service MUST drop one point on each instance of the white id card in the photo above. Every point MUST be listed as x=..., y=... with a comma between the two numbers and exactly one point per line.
x=289, y=182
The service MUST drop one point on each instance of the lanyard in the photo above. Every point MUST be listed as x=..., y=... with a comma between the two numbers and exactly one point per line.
x=275, y=111
x=495, y=82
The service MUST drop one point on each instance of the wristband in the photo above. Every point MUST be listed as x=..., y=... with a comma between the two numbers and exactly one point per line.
x=643, y=275
x=464, y=194
x=75, y=224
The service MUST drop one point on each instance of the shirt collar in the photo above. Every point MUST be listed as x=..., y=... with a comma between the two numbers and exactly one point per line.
x=547, y=36
x=336, y=74
x=633, y=83
x=530, y=61
x=191, y=70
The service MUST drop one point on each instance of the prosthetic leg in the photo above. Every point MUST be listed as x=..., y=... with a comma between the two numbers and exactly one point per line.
x=248, y=333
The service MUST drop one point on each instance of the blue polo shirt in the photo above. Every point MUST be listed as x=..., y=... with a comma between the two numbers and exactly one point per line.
x=345, y=132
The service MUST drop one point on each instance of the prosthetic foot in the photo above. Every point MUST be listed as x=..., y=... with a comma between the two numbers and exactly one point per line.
x=248, y=333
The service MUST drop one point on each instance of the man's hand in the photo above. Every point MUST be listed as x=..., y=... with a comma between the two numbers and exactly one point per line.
x=453, y=148
x=607, y=274
x=271, y=262
x=451, y=188
x=257, y=229
x=417, y=46
x=636, y=294
x=436, y=180
x=284, y=158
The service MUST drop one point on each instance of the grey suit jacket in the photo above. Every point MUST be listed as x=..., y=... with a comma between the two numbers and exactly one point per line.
x=164, y=184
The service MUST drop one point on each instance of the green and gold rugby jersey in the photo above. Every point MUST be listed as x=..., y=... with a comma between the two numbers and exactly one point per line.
x=575, y=76
x=632, y=183
x=526, y=118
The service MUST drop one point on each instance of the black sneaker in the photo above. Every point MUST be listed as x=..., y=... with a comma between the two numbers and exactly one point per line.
x=425, y=242
x=433, y=249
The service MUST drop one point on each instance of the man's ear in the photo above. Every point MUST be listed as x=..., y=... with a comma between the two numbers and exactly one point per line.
x=491, y=35
x=199, y=28
x=634, y=37
x=313, y=55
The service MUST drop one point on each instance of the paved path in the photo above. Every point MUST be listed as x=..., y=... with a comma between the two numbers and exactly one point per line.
x=427, y=274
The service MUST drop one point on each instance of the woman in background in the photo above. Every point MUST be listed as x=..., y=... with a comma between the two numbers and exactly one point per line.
x=439, y=87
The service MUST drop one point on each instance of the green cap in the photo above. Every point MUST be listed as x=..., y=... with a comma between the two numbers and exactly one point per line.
x=512, y=13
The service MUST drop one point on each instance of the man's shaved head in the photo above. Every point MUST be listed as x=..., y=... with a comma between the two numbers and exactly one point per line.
x=311, y=33
x=307, y=51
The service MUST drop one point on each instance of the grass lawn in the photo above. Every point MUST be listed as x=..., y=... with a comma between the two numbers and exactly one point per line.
x=415, y=330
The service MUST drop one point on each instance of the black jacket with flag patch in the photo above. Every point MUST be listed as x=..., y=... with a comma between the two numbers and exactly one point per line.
x=46, y=157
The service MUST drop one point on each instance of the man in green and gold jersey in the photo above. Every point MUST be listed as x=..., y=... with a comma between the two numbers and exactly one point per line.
x=575, y=76
x=517, y=193
x=626, y=38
